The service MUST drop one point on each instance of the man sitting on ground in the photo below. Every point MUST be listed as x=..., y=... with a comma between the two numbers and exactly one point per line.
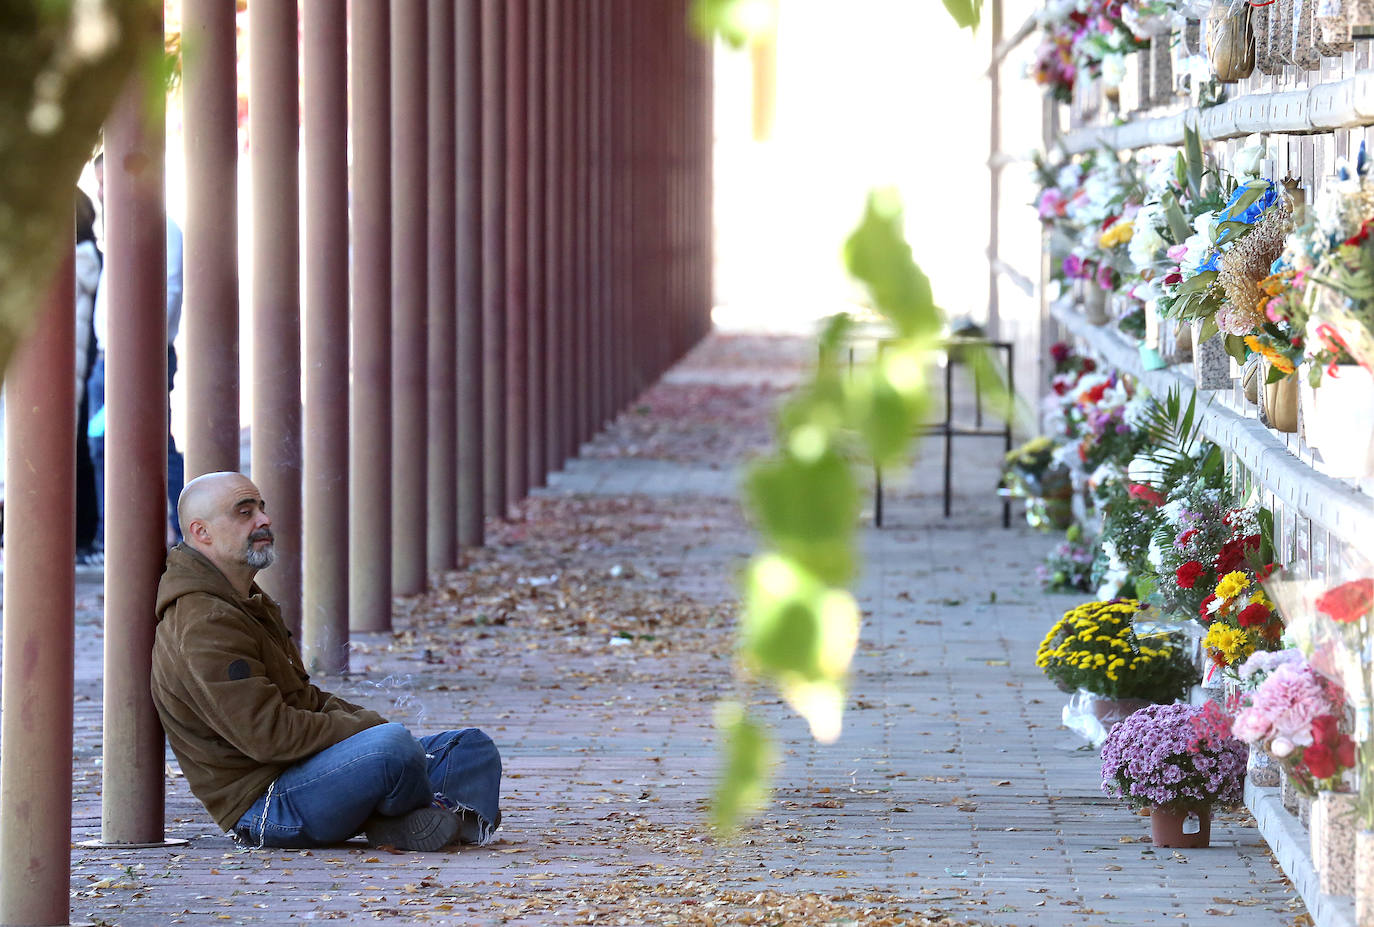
x=275, y=760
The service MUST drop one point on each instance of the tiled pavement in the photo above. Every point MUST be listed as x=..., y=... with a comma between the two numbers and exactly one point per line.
x=953, y=788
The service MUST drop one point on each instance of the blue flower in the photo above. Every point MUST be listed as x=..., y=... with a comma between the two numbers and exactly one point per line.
x=1253, y=211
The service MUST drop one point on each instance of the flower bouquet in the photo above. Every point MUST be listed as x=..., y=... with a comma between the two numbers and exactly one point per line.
x=1178, y=761
x=1294, y=715
x=1068, y=568
x=1030, y=472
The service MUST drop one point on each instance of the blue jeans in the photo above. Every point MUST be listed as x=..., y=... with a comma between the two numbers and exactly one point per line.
x=325, y=799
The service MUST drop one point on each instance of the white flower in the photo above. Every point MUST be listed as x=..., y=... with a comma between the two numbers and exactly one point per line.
x=1281, y=747
x=1155, y=555
x=1145, y=245
x=1114, y=68
x=1199, y=244
x=1161, y=175
x=1249, y=159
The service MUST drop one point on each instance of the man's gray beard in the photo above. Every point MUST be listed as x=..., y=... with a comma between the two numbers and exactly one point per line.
x=260, y=559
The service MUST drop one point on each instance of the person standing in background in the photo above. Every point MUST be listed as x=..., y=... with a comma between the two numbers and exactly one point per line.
x=88, y=269
x=96, y=384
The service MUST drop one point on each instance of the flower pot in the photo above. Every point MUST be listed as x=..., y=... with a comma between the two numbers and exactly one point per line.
x=1110, y=711
x=1338, y=418
x=1333, y=841
x=1211, y=363
x=1364, y=878
x=1279, y=408
x=1288, y=793
x=1305, y=810
x=1095, y=304
x=1250, y=379
x=1184, y=829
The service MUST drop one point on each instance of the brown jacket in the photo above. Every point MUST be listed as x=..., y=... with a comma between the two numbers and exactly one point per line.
x=232, y=692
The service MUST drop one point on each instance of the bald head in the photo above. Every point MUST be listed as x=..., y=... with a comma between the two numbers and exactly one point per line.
x=200, y=499
x=224, y=517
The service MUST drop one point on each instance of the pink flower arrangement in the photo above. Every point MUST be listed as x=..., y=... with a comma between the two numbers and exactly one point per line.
x=1293, y=716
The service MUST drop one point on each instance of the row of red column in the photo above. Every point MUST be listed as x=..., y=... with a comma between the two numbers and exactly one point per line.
x=519, y=243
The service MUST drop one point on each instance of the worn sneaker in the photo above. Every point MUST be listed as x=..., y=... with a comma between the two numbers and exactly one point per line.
x=424, y=829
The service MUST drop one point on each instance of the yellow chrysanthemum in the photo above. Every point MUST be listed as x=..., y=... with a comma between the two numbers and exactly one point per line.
x=1230, y=645
x=1232, y=584
x=1118, y=234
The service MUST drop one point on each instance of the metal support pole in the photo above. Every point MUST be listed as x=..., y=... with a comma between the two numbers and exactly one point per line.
x=39, y=628
x=537, y=268
x=594, y=371
x=442, y=480
x=209, y=82
x=325, y=610
x=135, y=463
x=409, y=286
x=555, y=75
x=585, y=224
x=571, y=229
x=369, y=458
x=994, y=174
x=494, y=257
x=469, y=259
x=274, y=125
x=517, y=260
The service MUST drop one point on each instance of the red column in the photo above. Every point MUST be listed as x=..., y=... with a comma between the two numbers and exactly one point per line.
x=572, y=268
x=135, y=463
x=595, y=370
x=494, y=257
x=369, y=527
x=555, y=76
x=442, y=481
x=585, y=225
x=39, y=631
x=274, y=127
x=325, y=116
x=468, y=192
x=409, y=286
x=211, y=255
x=517, y=260
x=536, y=218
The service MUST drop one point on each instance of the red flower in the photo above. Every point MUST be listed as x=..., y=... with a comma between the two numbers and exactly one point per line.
x=1187, y=536
x=1060, y=388
x=1187, y=575
x=1088, y=365
x=1253, y=615
x=1266, y=571
x=1347, y=602
x=1202, y=609
x=1361, y=236
x=1145, y=493
x=1325, y=729
x=1345, y=752
x=1094, y=395
x=1234, y=553
x=1319, y=761
x=1173, y=279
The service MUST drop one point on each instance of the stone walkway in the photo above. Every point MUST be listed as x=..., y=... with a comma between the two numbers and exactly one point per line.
x=591, y=639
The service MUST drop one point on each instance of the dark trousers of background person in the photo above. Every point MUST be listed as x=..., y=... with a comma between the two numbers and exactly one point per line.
x=87, y=505
x=176, y=464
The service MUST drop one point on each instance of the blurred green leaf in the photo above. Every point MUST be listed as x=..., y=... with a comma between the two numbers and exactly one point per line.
x=794, y=629
x=877, y=254
x=737, y=22
x=967, y=13
x=807, y=505
x=749, y=757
